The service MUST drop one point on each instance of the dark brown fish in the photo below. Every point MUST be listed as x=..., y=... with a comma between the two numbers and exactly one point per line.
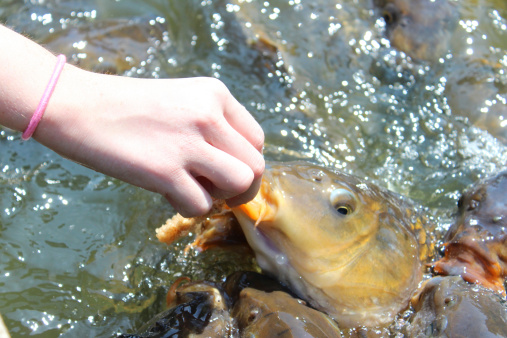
x=473, y=89
x=278, y=314
x=451, y=307
x=248, y=304
x=197, y=309
x=421, y=28
x=476, y=244
x=110, y=46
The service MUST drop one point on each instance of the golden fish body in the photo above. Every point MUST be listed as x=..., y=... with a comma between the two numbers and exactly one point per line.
x=349, y=248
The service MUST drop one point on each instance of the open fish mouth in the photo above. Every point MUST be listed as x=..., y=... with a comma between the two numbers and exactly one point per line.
x=265, y=246
x=256, y=216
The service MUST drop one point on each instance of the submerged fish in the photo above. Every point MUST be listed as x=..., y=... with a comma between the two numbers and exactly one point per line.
x=476, y=244
x=131, y=39
x=421, y=28
x=196, y=309
x=265, y=308
x=277, y=314
x=451, y=307
x=247, y=304
x=349, y=248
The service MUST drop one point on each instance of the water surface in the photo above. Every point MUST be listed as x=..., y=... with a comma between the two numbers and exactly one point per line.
x=78, y=251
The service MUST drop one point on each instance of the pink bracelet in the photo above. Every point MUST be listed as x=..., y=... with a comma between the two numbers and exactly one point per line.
x=37, y=116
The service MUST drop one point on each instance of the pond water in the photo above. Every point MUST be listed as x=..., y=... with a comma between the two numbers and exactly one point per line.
x=78, y=253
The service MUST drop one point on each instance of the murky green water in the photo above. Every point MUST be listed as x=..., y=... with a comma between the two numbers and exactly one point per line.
x=78, y=251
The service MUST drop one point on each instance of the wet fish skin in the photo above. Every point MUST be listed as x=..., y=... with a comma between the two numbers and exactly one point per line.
x=476, y=244
x=421, y=28
x=247, y=304
x=199, y=309
x=451, y=307
x=348, y=247
x=277, y=314
x=239, y=280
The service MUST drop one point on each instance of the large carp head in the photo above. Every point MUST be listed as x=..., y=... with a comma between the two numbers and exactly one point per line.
x=346, y=246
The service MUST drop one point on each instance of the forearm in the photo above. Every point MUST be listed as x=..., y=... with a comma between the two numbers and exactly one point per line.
x=25, y=70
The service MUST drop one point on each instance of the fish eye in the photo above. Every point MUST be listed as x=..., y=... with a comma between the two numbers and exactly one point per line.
x=344, y=210
x=450, y=301
x=343, y=201
x=252, y=316
x=474, y=204
x=460, y=202
x=390, y=14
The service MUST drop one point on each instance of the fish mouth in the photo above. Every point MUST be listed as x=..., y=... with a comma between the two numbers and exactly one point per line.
x=256, y=217
x=263, y=207
x=264, y=244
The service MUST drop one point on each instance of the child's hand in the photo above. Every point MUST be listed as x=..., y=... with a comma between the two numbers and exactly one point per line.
x=187, y=139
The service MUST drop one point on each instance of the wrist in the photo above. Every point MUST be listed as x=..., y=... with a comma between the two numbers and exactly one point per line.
x=81, y=113
x=46, y=96
x=66, y=108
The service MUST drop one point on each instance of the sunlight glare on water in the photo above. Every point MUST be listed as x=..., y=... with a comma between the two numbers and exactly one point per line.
x=78, y=251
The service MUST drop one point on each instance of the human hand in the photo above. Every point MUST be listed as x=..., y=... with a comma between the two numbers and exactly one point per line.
x=187, y=139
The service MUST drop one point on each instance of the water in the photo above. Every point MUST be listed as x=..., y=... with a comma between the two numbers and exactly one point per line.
x=78, y=251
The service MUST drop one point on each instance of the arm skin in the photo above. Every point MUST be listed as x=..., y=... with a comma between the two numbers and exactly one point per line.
x=187, y=139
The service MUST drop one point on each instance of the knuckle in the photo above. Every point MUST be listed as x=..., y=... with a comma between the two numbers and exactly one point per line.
x=218, y=85
x=215, y=86
x=210, y=124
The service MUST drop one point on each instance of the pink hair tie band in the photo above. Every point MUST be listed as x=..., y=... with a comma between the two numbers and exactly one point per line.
x=37, y=116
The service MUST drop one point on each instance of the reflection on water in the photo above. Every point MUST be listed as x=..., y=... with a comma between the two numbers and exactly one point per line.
x=78, y=253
